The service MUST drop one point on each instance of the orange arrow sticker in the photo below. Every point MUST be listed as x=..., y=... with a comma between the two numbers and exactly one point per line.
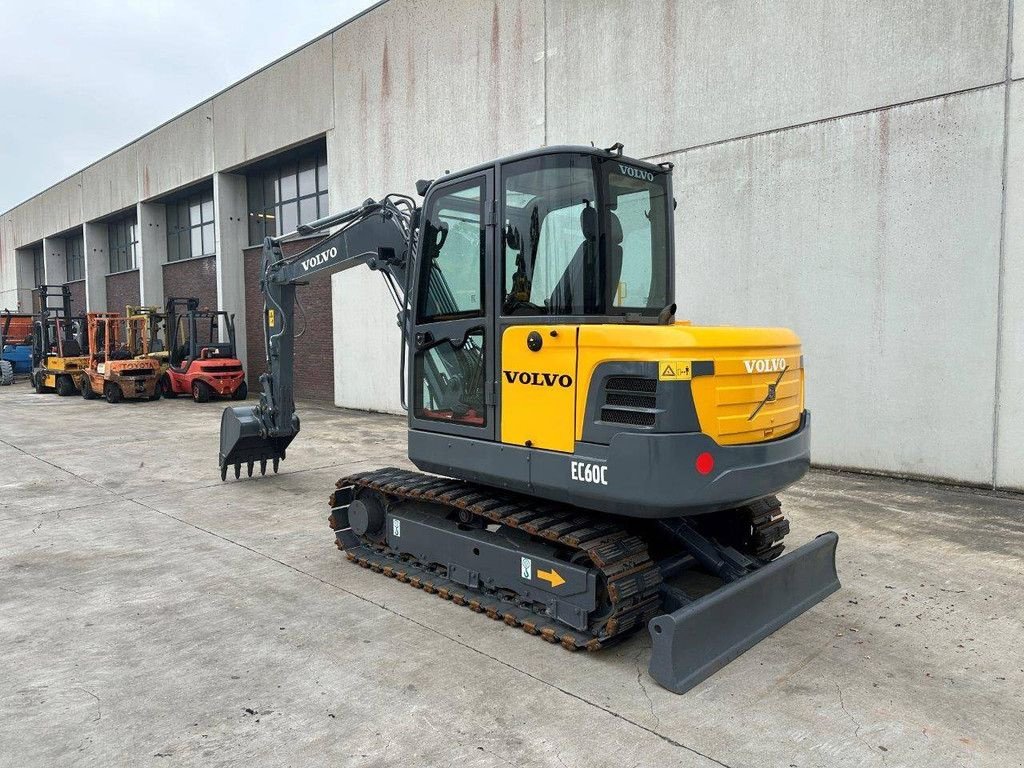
x=552, y=577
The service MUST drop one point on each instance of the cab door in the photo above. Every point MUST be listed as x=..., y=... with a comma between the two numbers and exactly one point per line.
x=452, y=350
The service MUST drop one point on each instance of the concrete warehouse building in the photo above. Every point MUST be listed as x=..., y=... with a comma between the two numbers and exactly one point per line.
x=852, y=170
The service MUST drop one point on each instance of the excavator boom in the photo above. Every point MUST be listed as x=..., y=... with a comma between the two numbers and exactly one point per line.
x=375, y=234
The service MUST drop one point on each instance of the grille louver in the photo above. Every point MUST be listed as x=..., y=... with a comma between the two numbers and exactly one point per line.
x=630, y=400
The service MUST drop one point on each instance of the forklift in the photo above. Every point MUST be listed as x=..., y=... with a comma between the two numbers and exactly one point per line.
x=58, y=360
x=201, y=360
x=146, y=328
x=112, y=372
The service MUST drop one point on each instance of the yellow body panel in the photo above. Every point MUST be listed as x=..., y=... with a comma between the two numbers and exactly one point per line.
x=724, y=401
x=538, y=389
x=74, y=366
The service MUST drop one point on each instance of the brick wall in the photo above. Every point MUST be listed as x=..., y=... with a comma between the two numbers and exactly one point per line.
x=122, y=290
x=192, y=277
x=314, y=351
x=78, y=296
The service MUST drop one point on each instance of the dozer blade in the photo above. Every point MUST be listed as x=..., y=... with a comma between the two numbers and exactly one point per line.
x=697, y=640
x=241, y=441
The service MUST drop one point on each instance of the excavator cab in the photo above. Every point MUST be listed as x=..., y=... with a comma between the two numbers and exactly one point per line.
x=585, y=448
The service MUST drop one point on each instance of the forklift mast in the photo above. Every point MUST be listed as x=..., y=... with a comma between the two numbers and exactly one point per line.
x=187, y=326
x=54, y=325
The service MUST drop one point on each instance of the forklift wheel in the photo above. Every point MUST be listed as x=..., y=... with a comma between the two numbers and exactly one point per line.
x=201, y=391
x=87, y=393
x=155, y=395
x=113, y=393
x=241, y=393
x=65, y=386
x=37, y=382
x=166, y=388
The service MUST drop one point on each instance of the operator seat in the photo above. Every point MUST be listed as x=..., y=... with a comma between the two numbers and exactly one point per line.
x=569, y=296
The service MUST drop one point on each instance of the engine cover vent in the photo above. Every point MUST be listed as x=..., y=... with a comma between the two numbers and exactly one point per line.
x=630, y=400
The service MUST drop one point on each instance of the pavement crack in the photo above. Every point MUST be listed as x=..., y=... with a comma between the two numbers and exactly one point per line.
x=857, y=724
x=99, y=705
x=583, y=700
x=643, y=687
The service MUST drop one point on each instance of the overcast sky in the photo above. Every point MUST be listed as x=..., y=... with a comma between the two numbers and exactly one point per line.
x=80, y=78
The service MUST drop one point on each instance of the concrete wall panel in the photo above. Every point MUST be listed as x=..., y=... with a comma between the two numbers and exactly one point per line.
x=1010, y=418
x=1018, y=39
x=8, y=264
x=416, y=93
x=284, y=104
x=177, y=154
x=111, y=184
x=51, y=211
x=876, y=238
x=700, y=72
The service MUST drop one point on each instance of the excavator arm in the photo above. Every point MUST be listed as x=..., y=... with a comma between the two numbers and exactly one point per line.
x=377, y=234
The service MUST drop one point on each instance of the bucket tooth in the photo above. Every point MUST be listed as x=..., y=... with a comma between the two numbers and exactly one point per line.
x=238, y=471
x=249, y=469
x=276, y=462
x=263, y=466
x=223, y=472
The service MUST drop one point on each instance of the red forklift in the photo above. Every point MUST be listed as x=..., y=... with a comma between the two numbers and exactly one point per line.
x=201, y=359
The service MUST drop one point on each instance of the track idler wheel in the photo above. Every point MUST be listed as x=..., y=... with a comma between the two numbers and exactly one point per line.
x=366, y=515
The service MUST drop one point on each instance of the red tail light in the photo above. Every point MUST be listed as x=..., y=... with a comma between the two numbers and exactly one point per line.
x=705, y=463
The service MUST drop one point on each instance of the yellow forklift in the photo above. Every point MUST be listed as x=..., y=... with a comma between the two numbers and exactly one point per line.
x=58, y=360
x=112, y=372
x=146, y=328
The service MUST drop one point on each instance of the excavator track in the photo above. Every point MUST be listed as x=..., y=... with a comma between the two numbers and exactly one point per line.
x=628, y=579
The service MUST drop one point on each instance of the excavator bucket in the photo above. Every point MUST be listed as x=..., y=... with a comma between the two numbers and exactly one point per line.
x=242, y=441
x=699, y=638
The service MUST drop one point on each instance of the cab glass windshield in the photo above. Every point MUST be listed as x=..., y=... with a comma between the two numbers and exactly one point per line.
x=584, y=236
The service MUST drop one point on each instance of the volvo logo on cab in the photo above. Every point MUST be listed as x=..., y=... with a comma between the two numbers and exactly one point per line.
x=636, y=173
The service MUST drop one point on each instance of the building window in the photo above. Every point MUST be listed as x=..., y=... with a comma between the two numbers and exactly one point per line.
x=74, y=258
x=38, y=266
x=123, y=242
x=190, y=227
x=289, y=194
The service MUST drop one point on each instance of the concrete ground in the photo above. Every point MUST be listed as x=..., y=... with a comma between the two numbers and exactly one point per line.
x=152, y=615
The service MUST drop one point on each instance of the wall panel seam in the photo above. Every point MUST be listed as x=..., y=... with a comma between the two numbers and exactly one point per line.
x=1000, y=280
x=824, y=120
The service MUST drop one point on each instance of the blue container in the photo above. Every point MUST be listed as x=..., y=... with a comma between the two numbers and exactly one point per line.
x=20, y=356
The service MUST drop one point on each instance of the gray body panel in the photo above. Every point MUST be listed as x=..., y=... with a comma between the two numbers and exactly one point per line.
x=477, y=557
x=648, y=475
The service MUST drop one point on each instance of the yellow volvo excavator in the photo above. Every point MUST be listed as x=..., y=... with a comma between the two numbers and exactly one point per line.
x=580, y=447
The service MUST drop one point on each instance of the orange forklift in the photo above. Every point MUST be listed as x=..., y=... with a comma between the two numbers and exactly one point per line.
x=202, y=358
x=112, y=372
